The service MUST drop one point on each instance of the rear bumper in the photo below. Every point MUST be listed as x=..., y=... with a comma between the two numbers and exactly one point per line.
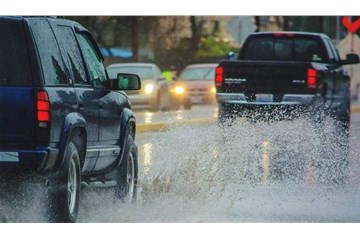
x=288, y=99
x=41, y=159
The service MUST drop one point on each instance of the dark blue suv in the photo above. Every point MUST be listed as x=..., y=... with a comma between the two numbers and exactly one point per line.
x=61, y=115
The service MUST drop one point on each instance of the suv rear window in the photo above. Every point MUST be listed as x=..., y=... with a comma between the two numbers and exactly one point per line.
x=298, y=48
x=49, y=52
x=14, y=60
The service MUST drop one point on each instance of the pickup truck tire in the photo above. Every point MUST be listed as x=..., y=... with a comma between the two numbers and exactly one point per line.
x=225, y=117
x=65, y=188
x=127, y=174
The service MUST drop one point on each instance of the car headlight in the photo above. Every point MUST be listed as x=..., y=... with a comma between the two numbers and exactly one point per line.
x=179, y=90
x=149, y=88
x=213, y=89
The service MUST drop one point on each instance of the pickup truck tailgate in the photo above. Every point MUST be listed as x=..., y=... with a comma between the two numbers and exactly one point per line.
x=265, y=77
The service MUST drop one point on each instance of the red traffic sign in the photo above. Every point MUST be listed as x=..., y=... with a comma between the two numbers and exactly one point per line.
x=351, y=26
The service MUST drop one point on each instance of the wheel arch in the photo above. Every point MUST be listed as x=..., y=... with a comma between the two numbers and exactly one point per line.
x=74, y=128
x=127, y=118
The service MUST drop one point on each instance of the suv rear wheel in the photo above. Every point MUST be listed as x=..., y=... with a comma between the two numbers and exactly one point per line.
x=65, y=188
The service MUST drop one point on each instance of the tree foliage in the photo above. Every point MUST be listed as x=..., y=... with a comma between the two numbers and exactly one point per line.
x=161, y=34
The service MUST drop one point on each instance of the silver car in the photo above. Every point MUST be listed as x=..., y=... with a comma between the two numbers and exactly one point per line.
x=155, y=89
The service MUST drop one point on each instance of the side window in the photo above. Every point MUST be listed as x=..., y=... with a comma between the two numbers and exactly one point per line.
x=94, y=64
x=334, y=53
x=72, y=53
x=157, y=72
x=49, y=53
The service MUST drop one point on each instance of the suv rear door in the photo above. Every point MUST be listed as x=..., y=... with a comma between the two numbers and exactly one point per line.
x=17, y=117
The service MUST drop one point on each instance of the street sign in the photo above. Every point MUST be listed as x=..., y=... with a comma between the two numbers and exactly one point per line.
x=351, y=26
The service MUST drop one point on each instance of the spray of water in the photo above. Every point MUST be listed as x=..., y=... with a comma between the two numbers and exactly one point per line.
x=281, y=171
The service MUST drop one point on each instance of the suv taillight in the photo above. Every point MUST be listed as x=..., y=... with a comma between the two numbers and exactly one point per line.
x=311, y=78
x=42, y=107
x=219, y=77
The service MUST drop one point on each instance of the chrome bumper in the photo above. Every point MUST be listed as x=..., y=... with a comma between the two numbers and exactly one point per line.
x=288, y=99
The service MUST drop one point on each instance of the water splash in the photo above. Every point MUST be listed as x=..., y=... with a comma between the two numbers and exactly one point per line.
x=284, y=171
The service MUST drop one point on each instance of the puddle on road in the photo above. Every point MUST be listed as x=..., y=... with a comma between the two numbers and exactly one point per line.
x=287, y=171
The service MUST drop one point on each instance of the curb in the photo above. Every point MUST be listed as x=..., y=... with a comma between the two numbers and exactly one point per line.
x=164, y=126
x=355, y=109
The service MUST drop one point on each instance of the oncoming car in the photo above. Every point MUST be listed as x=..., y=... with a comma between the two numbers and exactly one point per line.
x=195, y=85
x=155, y=92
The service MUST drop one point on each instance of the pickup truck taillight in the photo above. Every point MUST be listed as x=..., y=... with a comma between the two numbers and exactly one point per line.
x=219, y=77
x=311, y=78
x=42, y=108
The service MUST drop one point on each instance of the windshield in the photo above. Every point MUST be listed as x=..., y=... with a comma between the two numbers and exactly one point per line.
x=144, y=72
x=198, y=74
x=14, y=64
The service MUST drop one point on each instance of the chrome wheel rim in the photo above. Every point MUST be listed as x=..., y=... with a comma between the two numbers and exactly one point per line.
x=130, y=178
x=72, y=186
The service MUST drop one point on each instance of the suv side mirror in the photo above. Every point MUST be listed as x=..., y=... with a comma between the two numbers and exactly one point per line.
x=125, y=82
x=351, y=59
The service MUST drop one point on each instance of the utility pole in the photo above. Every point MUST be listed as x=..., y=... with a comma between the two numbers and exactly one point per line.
x=285, y=23
x=321, y=24
x=338, y=28
x=257, y=23
x=134, y=39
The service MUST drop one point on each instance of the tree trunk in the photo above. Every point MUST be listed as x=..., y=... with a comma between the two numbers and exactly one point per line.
x=134, y=39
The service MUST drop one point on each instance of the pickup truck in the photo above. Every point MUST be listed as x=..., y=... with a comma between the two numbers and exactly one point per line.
x=284, y=73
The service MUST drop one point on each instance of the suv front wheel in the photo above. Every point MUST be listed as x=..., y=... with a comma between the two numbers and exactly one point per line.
x=127, y=174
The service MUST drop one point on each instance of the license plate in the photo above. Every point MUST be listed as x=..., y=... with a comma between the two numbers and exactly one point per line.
x=264, y=97
x=196, y=99
x=9, y=157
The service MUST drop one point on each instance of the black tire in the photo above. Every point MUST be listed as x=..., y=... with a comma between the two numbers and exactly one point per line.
x=225, y=116
x=175, y=106
x=154, y=107
x=187, y=105
x=64, y=191
x=164, y=101
x=127, y=174
x=155, y=104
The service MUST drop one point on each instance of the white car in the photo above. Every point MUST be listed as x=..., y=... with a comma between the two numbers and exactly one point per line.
x=155, y=89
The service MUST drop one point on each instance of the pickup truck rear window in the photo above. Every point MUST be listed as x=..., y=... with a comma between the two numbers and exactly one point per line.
x=14, y=60
x=283, y=49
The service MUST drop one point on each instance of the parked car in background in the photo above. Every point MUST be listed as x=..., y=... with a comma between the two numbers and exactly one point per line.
x=155, y=92
x=195, y=85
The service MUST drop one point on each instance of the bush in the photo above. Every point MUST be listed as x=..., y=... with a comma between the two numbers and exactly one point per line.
x=213, y=46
